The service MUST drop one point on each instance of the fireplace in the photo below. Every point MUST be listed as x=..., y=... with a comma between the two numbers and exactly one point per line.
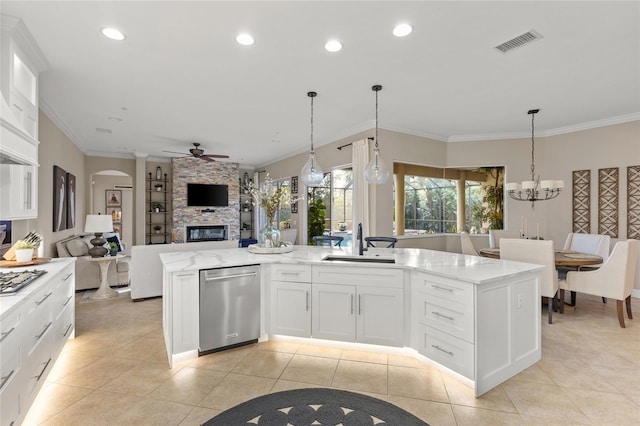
x=206, y=233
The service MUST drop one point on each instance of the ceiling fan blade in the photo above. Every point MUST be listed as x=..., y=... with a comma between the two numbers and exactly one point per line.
x=215, y=156
x=206, y=158
x=175, y=152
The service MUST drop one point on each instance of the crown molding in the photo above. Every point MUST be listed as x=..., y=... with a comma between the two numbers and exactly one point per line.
x=25, y=41
x=46, y=108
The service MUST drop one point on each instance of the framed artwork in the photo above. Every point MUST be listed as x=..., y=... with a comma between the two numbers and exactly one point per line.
x=113, y=197
x=115, y=212
x=633, y=202
x=59, y=199
x=71, y=201
x=294, y=207
x=294, y=184
x=118, y=229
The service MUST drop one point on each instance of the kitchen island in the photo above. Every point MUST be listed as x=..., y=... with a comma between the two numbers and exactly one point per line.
x=478, y=318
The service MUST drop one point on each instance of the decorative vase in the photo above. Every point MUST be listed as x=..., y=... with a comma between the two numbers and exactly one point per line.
x=270, y=235
x=25, y=255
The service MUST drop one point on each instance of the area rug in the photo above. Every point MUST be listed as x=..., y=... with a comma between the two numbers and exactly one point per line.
x=315, y=406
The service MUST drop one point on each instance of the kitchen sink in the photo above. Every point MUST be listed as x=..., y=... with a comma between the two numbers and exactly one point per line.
x=359, y=259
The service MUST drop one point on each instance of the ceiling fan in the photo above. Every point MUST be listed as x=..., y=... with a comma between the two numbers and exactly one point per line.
x=196, y=152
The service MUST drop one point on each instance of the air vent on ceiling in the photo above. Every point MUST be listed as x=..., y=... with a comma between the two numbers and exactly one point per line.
x=102, y=130
x=521, y=40
x=125, y=187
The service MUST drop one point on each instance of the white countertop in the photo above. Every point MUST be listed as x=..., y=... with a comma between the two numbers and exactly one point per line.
x=473, y=269
x=10, y=302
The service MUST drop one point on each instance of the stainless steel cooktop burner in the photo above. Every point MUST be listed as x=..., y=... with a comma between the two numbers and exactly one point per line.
x=12, y=282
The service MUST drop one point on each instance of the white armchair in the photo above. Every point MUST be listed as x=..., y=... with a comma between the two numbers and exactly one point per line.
x=614, y=279
x=496, y=234
x=539, y=252
x=587, y=243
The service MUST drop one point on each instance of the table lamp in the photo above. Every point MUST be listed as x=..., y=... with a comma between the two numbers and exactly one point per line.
x=98, y=224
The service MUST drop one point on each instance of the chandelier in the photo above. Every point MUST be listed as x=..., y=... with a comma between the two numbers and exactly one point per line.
x=534, y=190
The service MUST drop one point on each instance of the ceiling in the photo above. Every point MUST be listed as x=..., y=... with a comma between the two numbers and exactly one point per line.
x=180, y=77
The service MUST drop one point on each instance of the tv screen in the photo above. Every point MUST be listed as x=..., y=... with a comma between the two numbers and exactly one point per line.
x=207, y=195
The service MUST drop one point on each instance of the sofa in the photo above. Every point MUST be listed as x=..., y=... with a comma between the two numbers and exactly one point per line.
x=88, y=273
x=146, y=267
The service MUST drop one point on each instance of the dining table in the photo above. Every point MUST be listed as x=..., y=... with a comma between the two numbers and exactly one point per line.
x=564, y=259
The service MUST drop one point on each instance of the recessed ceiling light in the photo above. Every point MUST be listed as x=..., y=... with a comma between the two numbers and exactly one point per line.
x=245, y=39
x=402, y=30
x=333, y=46
x=113, y=34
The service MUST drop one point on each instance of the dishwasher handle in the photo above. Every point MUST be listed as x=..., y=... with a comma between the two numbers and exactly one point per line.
x=225, y=277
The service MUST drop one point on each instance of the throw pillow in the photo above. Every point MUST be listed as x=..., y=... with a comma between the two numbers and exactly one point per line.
x=77, y=248
x=114, y=239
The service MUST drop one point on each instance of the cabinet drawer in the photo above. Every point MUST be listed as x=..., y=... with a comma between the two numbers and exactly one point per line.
x=441, y=287
x=38, y=320
x=9, y=366
x=445, y=315
x=350, y=275
x=36, y=368
x=9, y=332
x=298, y=273
x=62, y=329
x=10, y=403
x=447, y=350
x=64, y=292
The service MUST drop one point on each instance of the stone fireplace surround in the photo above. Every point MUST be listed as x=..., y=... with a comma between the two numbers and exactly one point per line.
x=194, y=170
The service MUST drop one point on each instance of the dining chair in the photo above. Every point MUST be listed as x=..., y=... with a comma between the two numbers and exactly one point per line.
x=539, y=252
x=614, y=279
x=467, y=245
x=325, y=240
x=597, y=244
x=391, y=241
x=496, y=234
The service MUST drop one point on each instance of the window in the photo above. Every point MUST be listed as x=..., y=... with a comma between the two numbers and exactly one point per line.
x=330, y=206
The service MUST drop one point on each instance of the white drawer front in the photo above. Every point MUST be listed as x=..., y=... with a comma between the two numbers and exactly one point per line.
x=447, y=350
x=350, y=275
x=441, y=287
x=62, y=329
x=445, y=315
x=298, y=273
x=9, y=366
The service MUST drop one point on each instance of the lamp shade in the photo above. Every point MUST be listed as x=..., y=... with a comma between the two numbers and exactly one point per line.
x=98, y=223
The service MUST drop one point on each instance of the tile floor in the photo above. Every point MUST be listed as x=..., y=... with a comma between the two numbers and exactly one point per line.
x=115, y=373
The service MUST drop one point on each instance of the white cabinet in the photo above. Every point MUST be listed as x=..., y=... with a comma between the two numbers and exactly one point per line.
x=290, y=300
x=358, y=304
x=18, y=191
x=33, y=334
x=181, y=323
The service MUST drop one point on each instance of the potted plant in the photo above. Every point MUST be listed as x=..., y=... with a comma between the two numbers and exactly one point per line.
x=157, y=207
x=342, y=226
x=113, y=248
x=158, y=186
x=157, y=228
x=24, y=250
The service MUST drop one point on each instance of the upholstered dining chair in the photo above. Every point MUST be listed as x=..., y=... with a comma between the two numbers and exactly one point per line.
x=539, y=252
x=496, y=234
x=597, y=244
x=614, y=279
x=467, y=245
x=390, y=241
x=326, y=240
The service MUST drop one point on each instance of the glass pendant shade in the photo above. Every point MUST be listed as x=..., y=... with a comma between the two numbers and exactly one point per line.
x=311, y=174
x=376, y=171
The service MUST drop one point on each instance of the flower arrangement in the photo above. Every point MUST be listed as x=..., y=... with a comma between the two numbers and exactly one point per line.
x=270, y=197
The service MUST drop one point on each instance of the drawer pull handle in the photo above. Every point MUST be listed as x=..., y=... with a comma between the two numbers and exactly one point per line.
x=443, y=315
x=221, y=278
x=44, y=298
x=359, y=304
x=352, y=304
x=6, y=333
x=289, y=273
x=46, y=364
x=67, y=330
x=6, y=378
x=68, y=276
x=307, y=297
x=437, y=287
x=44, y=331
x=66, y=302
x=442, y=350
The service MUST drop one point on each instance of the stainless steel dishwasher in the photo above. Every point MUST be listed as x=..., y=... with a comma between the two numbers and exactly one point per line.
x=229, y=307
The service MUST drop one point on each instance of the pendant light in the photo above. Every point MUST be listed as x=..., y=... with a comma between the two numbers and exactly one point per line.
x=534, y=190
x=312, y=174
x=376, y=172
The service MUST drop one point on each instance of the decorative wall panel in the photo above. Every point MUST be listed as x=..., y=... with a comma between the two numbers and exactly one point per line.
x=608, y=202
x=582, y=201
x=633, y=202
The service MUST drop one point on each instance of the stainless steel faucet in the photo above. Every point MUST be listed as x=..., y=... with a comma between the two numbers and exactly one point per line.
x=361, y=248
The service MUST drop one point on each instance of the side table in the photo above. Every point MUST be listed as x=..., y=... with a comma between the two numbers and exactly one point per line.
x=104, y=291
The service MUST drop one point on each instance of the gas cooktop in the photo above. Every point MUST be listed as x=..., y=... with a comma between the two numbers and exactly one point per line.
x=12, y=282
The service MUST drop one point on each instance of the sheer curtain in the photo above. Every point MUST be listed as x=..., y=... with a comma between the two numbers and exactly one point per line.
x=360, y=158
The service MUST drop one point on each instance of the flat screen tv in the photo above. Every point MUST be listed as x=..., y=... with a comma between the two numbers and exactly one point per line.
x=207, y=195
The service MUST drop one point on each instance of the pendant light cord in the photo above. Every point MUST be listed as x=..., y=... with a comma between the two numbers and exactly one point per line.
x=376, y=119
x=312, y=95
x=533, y=166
